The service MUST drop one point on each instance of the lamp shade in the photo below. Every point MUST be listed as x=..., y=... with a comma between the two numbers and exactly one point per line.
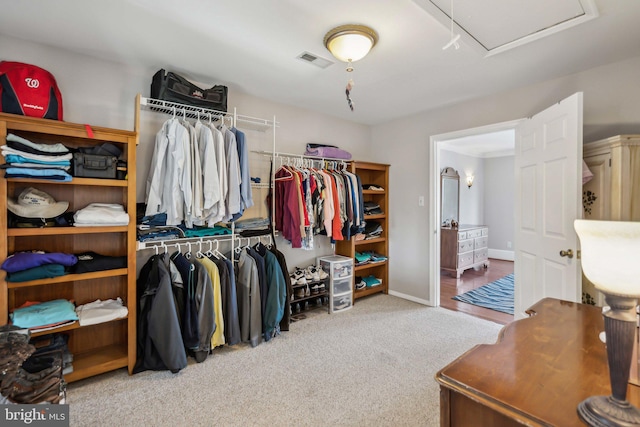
x=611, y=255
x=350, y=43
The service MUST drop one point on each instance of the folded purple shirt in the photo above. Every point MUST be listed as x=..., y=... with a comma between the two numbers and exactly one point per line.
x=332, y=152
x=24, y=260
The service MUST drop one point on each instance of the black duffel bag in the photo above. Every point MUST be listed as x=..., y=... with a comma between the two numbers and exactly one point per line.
x=171, y=87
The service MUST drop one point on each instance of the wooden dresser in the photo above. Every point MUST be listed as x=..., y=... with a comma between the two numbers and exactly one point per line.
x=537, y=373
x=463, y=248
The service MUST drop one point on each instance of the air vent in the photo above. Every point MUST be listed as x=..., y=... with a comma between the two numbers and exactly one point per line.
x=314, y=59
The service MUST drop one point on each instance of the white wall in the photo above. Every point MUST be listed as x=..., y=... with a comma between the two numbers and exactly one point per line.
x=611, y=107
x=102, y=93
x=471, y=199
x=499, y=201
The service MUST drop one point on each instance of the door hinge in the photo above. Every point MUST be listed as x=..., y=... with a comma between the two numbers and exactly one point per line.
x=578, y=254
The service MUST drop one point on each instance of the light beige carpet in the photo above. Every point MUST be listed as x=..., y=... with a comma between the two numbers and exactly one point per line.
x=373, y=365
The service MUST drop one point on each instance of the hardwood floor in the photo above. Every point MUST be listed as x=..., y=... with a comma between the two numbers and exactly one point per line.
x=471, y=279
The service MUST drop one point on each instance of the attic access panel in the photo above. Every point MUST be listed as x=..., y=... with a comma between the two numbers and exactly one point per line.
x=499, y=25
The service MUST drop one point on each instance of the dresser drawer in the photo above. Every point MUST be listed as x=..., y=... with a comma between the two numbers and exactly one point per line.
x=480, y=242
x=465, y=259
x=472, y=234
x=485, y=231
x=462, y=235
x=465, y=246
x=480, y=255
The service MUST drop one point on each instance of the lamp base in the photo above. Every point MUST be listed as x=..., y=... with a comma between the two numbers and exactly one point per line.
x=605, y=411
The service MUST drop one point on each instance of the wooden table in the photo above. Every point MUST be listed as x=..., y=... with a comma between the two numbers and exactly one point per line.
x=536, y=374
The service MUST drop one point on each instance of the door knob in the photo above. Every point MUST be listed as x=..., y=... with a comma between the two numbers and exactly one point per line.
x=568, y=253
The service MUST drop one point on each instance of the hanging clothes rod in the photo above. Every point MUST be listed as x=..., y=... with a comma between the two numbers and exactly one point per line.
x=193, y=112
x=274, y=154
x=153, y=244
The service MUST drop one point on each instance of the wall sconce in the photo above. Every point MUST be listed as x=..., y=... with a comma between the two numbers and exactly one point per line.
x=609, y=260
x=469, y=180
x=350, y=43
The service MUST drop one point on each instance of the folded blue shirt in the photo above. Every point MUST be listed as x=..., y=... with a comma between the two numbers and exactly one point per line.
x=55, y=174
x=45, y=313
x=17, y=159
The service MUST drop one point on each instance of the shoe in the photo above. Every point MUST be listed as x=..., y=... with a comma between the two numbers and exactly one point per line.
x=360, y=284
x=299, y=292
x=307, y=291
x=342, y=304
x=321, y=287
x=321, y=273
x=312, y=273
x=298, y=277
x=315, y=289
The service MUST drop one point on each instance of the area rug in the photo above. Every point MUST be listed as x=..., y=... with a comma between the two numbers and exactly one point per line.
x=497, y=295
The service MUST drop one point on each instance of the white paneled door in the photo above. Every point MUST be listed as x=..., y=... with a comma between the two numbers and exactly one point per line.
x=548, y=195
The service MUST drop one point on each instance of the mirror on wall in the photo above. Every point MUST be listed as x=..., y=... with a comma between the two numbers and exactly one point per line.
x=449, y=196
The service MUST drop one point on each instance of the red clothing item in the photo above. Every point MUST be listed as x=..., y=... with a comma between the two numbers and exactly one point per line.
x=336, y=224
x=287, y=215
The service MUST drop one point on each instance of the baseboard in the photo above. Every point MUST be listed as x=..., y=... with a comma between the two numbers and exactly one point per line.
x=500, y=254
x=410, y=298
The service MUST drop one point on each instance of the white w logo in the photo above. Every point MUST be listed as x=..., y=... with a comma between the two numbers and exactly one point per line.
x=32, y=83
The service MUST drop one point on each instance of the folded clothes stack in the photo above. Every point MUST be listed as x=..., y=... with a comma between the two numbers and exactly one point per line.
x=33, y=265
x=363, y=258
x=101, y=215
x=42, y=316
x=372, y=187
x=324, y=150
x=372, y=208
x=26, y=159
x=29, y=375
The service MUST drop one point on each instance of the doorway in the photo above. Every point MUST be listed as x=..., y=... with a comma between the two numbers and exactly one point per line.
x=473, y=141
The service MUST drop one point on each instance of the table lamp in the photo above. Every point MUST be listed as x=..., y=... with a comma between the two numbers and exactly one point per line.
x=610, y=252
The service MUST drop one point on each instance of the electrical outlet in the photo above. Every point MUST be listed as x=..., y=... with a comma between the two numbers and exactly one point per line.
x=508, y=245
x=420, y=200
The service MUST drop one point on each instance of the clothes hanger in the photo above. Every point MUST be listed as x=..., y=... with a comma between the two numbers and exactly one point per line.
x=199, y=253
x=217, y=252
x=188, y=254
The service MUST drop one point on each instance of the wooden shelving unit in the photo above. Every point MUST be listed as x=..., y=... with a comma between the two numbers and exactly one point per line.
x=376, y=174
x=96, y=348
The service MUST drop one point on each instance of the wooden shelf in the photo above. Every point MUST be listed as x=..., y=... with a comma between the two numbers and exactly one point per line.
x=70, y=278
x=368, y=291
x=63, y=231
x=366, y=241
x=375, y=174
x=96, y=348
x=375, y=216
x=74, y=325
x=93, y=182
x=97, y=361
x=369, y=265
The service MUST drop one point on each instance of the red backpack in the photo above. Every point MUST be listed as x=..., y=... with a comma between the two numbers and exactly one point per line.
x=29, y=90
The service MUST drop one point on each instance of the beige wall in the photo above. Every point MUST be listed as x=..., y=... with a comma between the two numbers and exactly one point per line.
x=611, y=106
x=102, y=93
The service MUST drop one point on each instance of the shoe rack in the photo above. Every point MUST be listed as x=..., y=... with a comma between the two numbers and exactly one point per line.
x=378, y=175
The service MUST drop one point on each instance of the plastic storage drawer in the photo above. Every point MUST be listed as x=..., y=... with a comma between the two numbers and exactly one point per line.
x=341, y=303
x=341, y=286
x=337, y=266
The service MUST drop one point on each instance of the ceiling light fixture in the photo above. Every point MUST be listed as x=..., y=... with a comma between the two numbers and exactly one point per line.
x=350, y=43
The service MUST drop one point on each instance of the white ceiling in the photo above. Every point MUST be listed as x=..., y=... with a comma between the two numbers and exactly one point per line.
x=252, y=45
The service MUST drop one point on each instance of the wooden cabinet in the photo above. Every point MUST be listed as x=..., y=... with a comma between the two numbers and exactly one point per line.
x=536, y=374
x=105, y=346
x=378, y=175
x=463, y=248
x=613, y=193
